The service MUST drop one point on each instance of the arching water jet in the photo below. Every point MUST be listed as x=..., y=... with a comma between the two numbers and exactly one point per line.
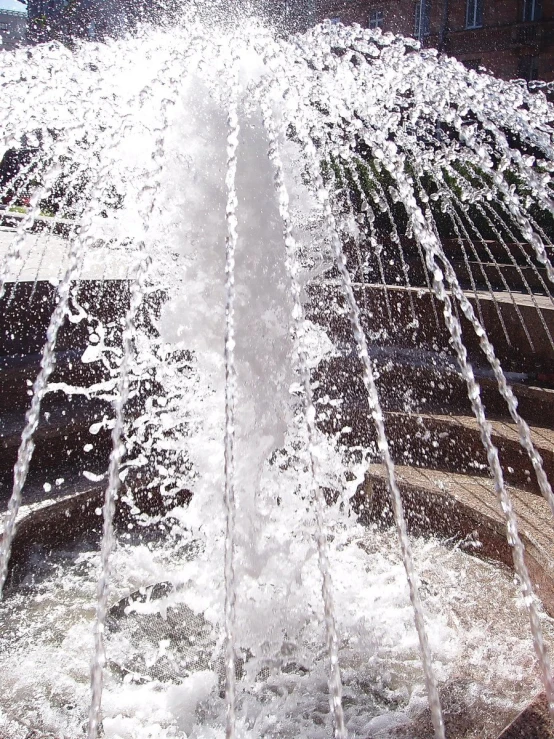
x=322, y=153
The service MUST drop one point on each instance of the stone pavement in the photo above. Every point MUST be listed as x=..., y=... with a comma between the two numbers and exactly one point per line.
x=44, y=257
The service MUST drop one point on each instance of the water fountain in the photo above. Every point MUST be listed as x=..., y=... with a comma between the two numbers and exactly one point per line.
x=294, y=268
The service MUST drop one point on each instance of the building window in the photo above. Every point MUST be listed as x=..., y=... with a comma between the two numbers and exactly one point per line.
x=422, y=25
x=376, y=18
x=474, y=14
x=528, y=68
x=532, y=10
x=526, y=35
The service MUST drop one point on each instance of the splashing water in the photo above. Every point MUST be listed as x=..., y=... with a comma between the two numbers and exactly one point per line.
x=232, y=172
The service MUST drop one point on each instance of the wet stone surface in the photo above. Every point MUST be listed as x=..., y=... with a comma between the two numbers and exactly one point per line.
x=533, y=723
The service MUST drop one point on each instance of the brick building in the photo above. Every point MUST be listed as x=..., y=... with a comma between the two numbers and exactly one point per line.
x=59, y=19
x=98, y=19
x=90, y=19
x=511, y=38
x=64, y=20
x=13, y=29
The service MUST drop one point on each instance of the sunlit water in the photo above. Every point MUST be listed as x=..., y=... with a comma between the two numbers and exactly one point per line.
x=140, y=133
x=482, y=648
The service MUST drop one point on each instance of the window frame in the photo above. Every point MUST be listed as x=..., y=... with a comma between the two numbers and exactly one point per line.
x=531, y=11
x=528, y=68
x=377, y=21
x=426, y=4
x=474, y=14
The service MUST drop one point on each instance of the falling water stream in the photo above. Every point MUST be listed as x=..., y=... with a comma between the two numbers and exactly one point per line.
x=233, y=172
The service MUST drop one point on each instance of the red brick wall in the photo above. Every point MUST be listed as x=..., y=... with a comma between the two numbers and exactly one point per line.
x=499, y=45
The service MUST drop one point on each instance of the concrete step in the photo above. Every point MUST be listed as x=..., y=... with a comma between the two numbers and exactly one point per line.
x=450, y=443
x=26, y=308
x=60, y=440
x=57, y=484
x=18, y=373
x=44, y=526
x=53, y=521
x=518, y=278
x=529, y=350
x=464, y=509
x=488, y=250
x=499, y=264
x=430, y=382
x=64, y=427
x=532, y=723
x=60, y=503
x=519, y=251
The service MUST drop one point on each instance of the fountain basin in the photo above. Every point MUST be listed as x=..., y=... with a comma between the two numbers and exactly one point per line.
x=532, y=723
x=458, y=508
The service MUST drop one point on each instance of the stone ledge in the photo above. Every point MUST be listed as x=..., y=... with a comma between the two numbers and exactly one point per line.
x=464, y=508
